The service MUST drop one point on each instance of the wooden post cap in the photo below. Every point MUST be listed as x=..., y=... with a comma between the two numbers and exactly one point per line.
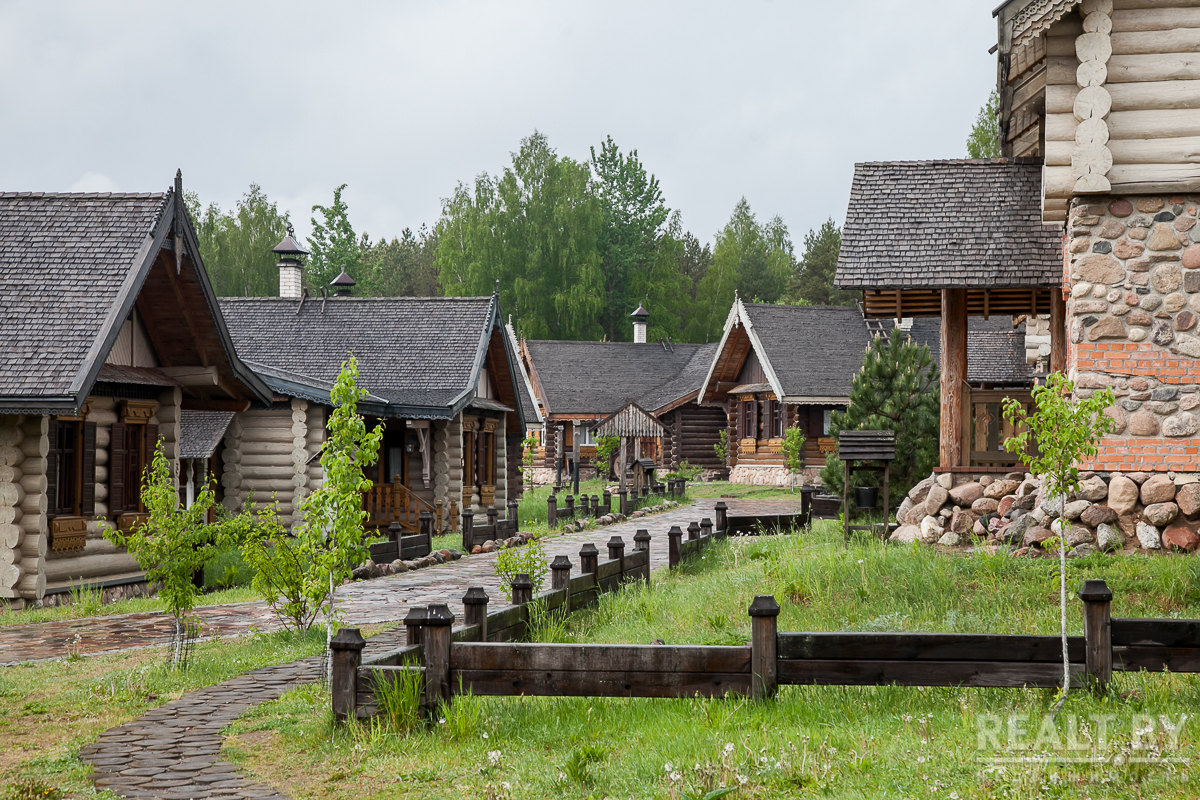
x=395, y=531
x=422, y=515
x=475, y=596
x=616, y=541
x=720, y=506
x=706, y=523
x=1095, y=590
x=764, y=605
x=675, y=531
x=347, y=639
x=416, y=616
x=522, y=581
x=642, y=535
x=439, y=614
x=694, y=530
x=589, y=550
x=561, y=562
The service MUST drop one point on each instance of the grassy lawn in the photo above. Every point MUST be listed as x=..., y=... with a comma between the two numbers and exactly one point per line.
x=810, y=741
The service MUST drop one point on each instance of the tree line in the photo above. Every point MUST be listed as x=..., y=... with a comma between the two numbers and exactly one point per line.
x=575, y=245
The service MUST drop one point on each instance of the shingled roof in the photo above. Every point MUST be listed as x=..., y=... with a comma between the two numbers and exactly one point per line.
x=599, y=377
x=948, y=224
x=65, y=260
x=814, y=351
x=995, y=349
x=419, y=357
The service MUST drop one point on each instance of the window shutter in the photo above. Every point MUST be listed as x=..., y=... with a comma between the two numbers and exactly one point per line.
x=118, y=463
x=752, y=421
x=87, y=458
x=52, y=459
x=768, y=419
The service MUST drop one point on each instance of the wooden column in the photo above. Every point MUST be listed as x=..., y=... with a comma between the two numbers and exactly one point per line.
x=954, y=373
x=560, y=579
x=764, y=678
x=552, y=510
x=435, y=642
x=413, y=623
x=1097, y=632
x=346, y=651
x=1058, y=331
x=641, y=541
x=722, y=512
x=522, y=589
x=674, y=543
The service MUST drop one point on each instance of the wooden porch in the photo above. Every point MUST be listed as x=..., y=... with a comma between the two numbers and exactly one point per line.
x=386, y=503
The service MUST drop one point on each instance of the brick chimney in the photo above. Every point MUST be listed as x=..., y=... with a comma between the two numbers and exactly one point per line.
x=639, y=318
x=291, y=265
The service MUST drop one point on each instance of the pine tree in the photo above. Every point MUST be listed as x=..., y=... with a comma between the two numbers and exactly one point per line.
x=896, y=389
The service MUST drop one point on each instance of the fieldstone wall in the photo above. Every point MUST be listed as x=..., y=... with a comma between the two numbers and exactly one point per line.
x=772, y=476
x=1132, y=317
x=1137, y=511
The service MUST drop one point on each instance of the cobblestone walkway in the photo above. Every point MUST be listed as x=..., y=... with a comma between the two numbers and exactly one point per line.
x=365, y=602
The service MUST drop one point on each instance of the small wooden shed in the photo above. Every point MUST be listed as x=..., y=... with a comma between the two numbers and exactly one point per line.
x=631, y=421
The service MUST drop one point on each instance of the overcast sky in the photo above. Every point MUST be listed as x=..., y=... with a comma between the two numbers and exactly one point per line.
x=774, y=101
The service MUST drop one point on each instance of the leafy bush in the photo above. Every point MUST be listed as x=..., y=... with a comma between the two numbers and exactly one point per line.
x=721, y=448
x=793, y=452
x=606, y=448
x=529, y=559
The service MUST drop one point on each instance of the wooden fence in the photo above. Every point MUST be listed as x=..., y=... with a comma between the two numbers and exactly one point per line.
x=567, y=506
x=495, y=528
x=402, y=546
x=482, y=657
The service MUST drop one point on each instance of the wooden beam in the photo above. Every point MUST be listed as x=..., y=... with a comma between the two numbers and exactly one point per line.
x=1058, y=332
x=152, y=333
x=954, y=372
x=186, y=310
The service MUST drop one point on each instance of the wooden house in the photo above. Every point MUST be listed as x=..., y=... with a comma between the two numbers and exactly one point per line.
x=778, y=367
x=442, y=377
x=111, y=337
x=577, y=384
x=1103, y=96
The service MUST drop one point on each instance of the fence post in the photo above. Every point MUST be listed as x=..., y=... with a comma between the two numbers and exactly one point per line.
x=493, y=514
x=693, y=531
x=720, y=509
x=560, y=579
x=425, y=525
x=616, y=552
x=346, y=651
x=571, y=506
x=468, y=526
x=596, y=506
x=522, y=589
x=641, y=541
x=646, y=490
x=622, y=502
x=589, y=558
x=436, y=647
x=674, y=542
x=681, y=487
x=475, y=603
x=706, y=528
x=552, y=510
x=513, y=514
x=413, y=623
x=764, y=613
x=607, y=501
x=1097, y=632
x=585, y=509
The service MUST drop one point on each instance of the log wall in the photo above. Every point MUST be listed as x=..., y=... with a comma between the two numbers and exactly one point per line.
x=12, y=494
x=691, y=433
x=268, y=438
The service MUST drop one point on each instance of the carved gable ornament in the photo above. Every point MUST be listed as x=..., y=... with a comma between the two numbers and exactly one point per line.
x=137, y=412
x=1036, y=18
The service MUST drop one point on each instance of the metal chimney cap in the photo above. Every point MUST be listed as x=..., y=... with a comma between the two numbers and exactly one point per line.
x=640, y=314
x=289, y=247
x=343, y=280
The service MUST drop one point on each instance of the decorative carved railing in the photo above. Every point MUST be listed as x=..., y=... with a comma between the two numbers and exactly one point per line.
x=386, y=503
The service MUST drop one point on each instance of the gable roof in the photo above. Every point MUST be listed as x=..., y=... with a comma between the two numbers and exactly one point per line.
x=995, y=349
x=597, y=378
x=200, y=432
x=419, y=357
x=948, y=224
x=71, y=268
x=808, y=353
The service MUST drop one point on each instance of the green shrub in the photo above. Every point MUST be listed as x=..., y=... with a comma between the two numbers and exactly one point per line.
x=529, y=559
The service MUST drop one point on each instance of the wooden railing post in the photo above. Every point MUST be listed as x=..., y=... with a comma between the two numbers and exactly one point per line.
x=646, y=490
x=413, y=623
x=435, y=644
x=596, y=506
x=585, y=510
x=346, y=651
x=764, y=613
x=706, y=527
x=552, y=510
x=438, y=519
x=493, y=514
x=674, y=543
x=1097, y=632
x=571, y=506
x=589, y=559
x=468, y=530
x=641, y=541
x=721, y=511
x=616, y=552
x=607, y=501
x=453, y=515
x=522, y=589
x=426, y=527
x=693, y=531
x=513, y=513
x=560, y=579
x=623, y=502
x=475, y=603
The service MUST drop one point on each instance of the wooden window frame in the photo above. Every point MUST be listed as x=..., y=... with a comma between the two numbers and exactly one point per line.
x=128, y=463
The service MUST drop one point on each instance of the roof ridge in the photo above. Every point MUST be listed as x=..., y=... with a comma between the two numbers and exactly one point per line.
x=85, y=195
x=334, y=298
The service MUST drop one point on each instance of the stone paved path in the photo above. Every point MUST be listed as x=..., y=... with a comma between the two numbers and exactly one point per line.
x=365, y=602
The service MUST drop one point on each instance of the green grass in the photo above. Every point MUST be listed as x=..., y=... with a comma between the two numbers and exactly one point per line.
x=808, y=742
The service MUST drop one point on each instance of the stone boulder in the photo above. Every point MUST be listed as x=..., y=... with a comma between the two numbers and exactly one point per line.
x=1079, y=535
x=1004, y=505
x=949, y=539
x=1015, y=533
x=905, y=506
x=1109, y=538
x=1053, y=506
x=1180, y=536
x=936, y=498
x=962, y=522
x=985, y=505
x=1073, y=509
x=1122, y=494
x=998, y=489
x=1161, y=514
x=1188, y=498
x=1093, y=489
x=919, y=492
x=966, y=494
x=1148, y=536
x=1081, y=550
x=1026, y=503
x=906, y=534
x=931, y=531
x=1097, y=514
x=1158, y=489
x=1036, y=535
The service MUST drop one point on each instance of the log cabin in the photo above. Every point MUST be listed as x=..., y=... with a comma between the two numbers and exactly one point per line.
x=442, y=378
x=577, y=384
x=112, y=337
x=1104, y=96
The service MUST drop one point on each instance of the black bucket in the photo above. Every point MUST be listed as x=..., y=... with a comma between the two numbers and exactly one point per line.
x=866, y=498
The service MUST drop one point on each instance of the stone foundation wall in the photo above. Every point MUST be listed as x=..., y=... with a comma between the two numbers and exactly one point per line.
x=772, y=476
x=1132, y=325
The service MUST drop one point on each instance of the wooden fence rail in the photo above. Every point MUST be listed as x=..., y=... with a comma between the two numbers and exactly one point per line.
x=483, y=657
